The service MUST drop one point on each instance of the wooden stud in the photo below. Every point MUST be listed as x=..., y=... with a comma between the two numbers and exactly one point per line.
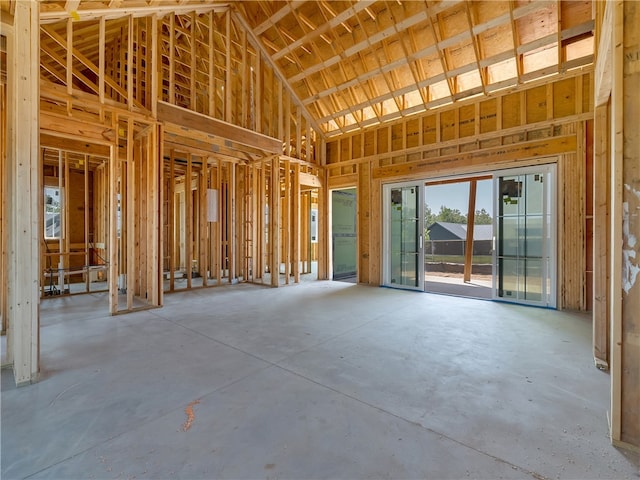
x=363, y=194
x=280, y=114
x=323, y=228
x=87, y=258
x=171, y=202
x=255, y=222
x=601, y=239
x=129, y=73
x=211, y=52
x=188, y=241
x=155, y=212
x=128, y=198
x=287, y=125
x=114, y=267
x=137, y=61
x=139, y=235
x=305, y=243
x=172, y=60
x=203, y=260
x=192, y=88
x=262, y=224
x=155, y=78
x=66, y=223
x=549, y=101
x=69, y=62
x=228, y=79
x=101, y=60
x=211, y=255
x=232, y=222
x=295, y=227
x=274, y=222
x=375, y=246
x=285, y=222
x=218, y=226
x=245, y=78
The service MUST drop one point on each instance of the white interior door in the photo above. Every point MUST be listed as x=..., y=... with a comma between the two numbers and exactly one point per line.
x=404, y=231
x=525, y=232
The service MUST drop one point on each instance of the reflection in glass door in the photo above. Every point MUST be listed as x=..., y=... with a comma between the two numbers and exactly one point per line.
x=404, y=262
x=525, y=237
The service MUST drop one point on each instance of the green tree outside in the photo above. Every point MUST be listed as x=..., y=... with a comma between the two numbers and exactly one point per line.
x=453, y=215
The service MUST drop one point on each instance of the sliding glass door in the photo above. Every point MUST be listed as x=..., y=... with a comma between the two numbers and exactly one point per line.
x=404, y=256
x=524, y=226
x=524, y=236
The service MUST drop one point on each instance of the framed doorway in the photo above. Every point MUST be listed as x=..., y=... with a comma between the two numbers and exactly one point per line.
x=519, y=264
x=403, y=246
x=459, y=236
x=344, y=246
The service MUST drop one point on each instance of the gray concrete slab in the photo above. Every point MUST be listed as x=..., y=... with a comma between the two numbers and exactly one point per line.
x=292, y=429
x=317, y=380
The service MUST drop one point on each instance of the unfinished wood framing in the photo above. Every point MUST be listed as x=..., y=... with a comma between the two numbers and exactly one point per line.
x=23, y=335
x=192, y=143
x=531, y=137
x=616, y=197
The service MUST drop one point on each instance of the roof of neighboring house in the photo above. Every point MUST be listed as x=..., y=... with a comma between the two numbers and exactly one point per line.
x=459, y=230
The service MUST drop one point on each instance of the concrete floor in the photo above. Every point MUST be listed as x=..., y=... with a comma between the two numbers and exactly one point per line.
x=316, y=380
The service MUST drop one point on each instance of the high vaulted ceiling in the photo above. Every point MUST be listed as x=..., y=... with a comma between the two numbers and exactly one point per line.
x=353, y=64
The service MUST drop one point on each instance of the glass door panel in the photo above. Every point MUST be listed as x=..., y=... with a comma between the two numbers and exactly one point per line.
x=404, y=265
x=525, y=239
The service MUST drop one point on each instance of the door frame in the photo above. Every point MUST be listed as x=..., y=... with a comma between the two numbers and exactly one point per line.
x=330, y=246
x=386, y=232
x=549, y=247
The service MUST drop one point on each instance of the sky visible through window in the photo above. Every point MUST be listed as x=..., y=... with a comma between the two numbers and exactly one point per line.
x=456, y=196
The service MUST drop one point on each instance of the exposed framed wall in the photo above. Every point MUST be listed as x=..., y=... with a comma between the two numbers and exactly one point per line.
x=508, y=130
x=616, y=203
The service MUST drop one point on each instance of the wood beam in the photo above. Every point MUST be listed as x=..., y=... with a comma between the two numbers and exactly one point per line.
x=507, y=153
x=326, y=27
x=74, y=145
x=197, y=121
x=51, y=13
x=23, y=337
x=276, y=17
